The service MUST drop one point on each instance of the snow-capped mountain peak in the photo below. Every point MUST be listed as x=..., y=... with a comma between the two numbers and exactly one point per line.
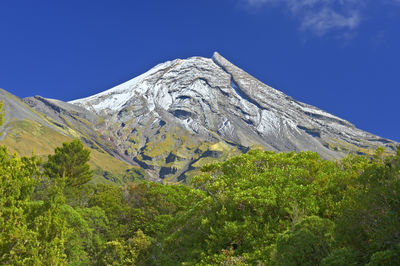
x=210, y=100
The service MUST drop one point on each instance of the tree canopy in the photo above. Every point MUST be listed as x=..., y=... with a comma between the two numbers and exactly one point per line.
x=259, y=208
x=70, y=161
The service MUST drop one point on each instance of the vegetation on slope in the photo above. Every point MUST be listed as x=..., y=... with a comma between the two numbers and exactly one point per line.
x=259, y=208
x=28, y=137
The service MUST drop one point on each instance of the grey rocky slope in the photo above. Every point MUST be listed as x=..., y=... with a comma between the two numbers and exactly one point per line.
x=175, y=116
x=78, y=122
x=38, y=125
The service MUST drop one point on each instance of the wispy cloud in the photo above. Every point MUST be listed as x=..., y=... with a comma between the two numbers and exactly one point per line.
x=320, y=16
x=327, y=19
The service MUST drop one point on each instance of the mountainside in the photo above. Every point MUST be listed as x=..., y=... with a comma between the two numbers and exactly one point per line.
x=178, y=116
x=26, y=131
x=184, y=113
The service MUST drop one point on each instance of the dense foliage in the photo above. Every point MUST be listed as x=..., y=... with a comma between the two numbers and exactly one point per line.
x=70, y=161
x=259, y=208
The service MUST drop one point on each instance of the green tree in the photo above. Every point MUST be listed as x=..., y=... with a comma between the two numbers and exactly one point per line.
x=18, y=177
x=125, y=252
x=70, y=161
x=369, y=216
x=31, y=232
x=247, y=202
x=51, y=226
x=341, y=256
x=307, y=243
x=390, y=257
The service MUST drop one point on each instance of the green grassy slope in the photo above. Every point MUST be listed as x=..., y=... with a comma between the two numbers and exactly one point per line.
x=26, y=137
x=26, y=132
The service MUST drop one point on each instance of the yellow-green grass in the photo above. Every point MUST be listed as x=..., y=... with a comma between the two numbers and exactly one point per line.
x=345, y=147
x=175, y=141
x=160, y=147
x=27, y=137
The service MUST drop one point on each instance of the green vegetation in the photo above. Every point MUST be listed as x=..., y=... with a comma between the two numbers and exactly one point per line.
x=1, y=113
x=259, y=208
x=26, y=137
x=71, y=162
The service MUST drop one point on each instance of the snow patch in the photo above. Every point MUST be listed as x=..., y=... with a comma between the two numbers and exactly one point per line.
x=269, y=122
x=319, y=112
x=117, y=96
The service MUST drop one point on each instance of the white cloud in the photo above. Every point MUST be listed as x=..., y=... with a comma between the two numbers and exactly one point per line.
x=327, y=19
x=320, y=16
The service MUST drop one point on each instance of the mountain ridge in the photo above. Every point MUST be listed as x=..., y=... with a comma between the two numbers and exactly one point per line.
x=185, y=113
x=35, y=130
x=216, y=100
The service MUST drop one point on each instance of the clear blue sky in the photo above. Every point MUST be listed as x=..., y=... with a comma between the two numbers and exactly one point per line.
x=341, y=56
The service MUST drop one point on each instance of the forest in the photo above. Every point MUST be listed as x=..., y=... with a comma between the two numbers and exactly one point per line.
x=258, y=208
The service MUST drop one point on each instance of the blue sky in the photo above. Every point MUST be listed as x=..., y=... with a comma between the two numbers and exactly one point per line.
x=339, y=55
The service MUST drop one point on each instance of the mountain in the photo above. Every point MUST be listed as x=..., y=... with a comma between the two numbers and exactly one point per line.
x=183, y=114
x=26, y=131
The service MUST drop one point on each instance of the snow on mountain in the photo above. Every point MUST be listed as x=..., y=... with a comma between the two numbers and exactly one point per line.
x=117, y=96
x=210, y=100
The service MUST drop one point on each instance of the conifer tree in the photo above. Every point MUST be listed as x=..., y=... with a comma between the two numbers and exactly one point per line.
x=70, y=161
